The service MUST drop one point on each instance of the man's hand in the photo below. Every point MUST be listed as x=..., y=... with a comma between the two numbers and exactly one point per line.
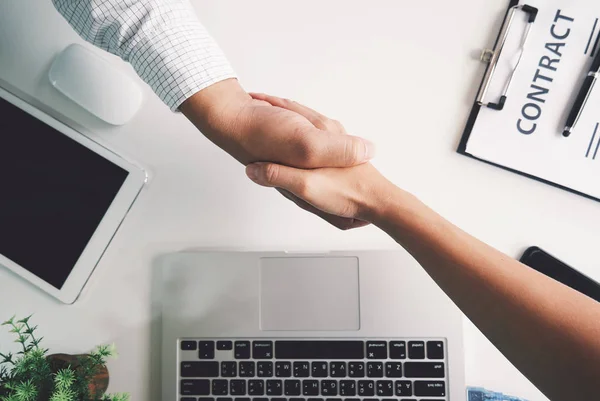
x=258, y=127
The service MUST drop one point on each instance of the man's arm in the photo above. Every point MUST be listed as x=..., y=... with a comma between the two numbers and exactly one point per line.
x=549, y=331
x=162, y=39
x=172, y=52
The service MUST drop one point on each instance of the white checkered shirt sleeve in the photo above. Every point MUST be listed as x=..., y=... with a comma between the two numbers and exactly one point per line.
x=162, y=39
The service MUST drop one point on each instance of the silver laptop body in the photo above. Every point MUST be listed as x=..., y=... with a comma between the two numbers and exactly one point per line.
x=234, y=323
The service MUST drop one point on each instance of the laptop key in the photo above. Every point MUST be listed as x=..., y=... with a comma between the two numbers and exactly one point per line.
x=264, y=369
x=247, y=369
x=244, y=399
x=237, y=387
x=425, y=388
x=403, y=388
x=397, y=349
x=424, y=369
x=292, y=387
x=318, y=399
x=283, y=369
x=260, y=399
x=224, y=345
x=262, y=349
x=188, y=345
x=297, y=399
x=206, y=350
x=435, y=349
x=329, y=387
x=256, y=387
x=366, y=388
x=356, y=369
x=348, y=388
x=274, y=387
x=187, y=399
x=337, y=369
x=220, y=387
x=310, y=387
x=205, y=399
x=394, y=369
x=319, y=369
x=385, y=388
x=301, y=369
x=319, y=349
x=374, y=369
x=224, y=399
x=228, y=369
x=242, y=350
x=416, y=350
x=377, y=349
x=199, y=369
x=194, y=387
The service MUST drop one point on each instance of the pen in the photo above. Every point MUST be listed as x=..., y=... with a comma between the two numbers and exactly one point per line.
x=582, y=97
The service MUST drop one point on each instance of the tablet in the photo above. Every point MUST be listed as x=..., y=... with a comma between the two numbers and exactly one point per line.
x=62, y=198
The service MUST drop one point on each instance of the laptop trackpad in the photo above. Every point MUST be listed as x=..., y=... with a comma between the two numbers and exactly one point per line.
x=309, y=294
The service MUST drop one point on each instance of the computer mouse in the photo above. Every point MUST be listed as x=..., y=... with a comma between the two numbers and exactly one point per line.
x=95, y=84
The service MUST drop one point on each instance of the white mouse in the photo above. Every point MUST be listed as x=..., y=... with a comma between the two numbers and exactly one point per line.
x=95, y=84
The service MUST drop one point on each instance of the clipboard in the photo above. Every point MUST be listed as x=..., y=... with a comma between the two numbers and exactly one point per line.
x=497, y=102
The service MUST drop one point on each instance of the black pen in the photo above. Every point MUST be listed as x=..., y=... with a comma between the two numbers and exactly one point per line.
x=583, y=96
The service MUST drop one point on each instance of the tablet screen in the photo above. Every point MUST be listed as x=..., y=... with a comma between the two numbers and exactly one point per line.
x=54, y=193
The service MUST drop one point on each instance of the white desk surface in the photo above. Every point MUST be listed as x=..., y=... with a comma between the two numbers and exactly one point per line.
x=401, y=73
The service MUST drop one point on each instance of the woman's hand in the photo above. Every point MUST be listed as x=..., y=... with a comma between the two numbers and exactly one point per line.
x=360, y=192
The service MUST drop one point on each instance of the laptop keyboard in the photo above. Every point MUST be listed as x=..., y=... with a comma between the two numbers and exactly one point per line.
x=312, y=370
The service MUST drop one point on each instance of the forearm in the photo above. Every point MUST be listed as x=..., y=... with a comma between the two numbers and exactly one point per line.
x=162, y=39
x=547, y=330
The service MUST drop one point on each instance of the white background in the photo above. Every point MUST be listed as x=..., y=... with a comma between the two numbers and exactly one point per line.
x=401, y=73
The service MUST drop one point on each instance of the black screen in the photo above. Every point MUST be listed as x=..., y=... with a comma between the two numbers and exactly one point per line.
x=559, y=271
x=53, y=194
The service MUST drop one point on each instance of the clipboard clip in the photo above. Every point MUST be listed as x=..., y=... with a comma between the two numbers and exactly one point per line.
x=491, y=57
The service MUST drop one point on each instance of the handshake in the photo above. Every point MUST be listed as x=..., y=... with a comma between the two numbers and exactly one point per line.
x=308, y=157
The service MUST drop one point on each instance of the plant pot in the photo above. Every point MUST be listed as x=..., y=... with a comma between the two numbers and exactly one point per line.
x=99, y=383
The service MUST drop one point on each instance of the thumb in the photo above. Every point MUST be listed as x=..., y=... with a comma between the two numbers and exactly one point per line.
x=334, y=150
x=276, y=175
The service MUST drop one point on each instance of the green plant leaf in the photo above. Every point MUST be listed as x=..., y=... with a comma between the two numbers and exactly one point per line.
x=26, y=391
x=25, y=320
x=63, y=395
x=64, y=379
x=116, y=397
x=9, y=322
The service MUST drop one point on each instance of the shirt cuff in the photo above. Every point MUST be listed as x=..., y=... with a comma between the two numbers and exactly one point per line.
x=179, y=61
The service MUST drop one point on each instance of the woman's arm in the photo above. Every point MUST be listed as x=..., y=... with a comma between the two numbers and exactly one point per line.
x=550, y=332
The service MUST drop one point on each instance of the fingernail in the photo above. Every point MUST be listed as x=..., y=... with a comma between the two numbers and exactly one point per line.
x=252, y=171
x=369, y=149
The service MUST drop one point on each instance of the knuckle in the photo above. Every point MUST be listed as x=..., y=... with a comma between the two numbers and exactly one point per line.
x=304, y=188
x=352, y=152
x=326, y=124
x=271, y=173
x=348, y=210
x=339, y=126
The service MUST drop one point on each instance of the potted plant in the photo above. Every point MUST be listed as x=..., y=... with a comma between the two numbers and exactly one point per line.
x=32, y=375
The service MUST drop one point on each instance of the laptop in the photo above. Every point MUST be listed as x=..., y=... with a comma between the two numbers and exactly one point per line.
x=338, y=326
